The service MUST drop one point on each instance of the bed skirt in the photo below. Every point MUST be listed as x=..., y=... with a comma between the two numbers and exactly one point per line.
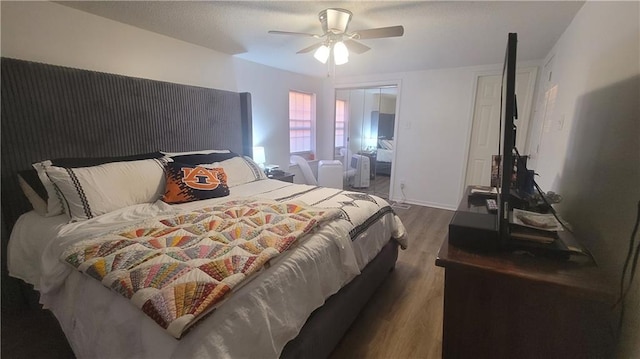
x=327, y=325
x=383, y=168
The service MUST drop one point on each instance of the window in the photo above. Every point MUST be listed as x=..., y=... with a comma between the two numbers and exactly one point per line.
x=301, y=115
x=341, y=114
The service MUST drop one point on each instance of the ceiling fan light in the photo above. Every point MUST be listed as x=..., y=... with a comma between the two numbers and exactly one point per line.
x=322, y=54
x=340, y=53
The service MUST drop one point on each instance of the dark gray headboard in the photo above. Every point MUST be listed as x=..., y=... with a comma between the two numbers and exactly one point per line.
x=54, y=112
x=57, y=112
x=384, y=123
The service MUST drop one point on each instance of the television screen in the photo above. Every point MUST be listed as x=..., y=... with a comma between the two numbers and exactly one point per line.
x=507, y=138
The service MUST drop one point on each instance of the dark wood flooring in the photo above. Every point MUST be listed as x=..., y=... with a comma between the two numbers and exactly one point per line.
x=378, y=186
x=402, y=320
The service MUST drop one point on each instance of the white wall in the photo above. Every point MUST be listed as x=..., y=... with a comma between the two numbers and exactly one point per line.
x=387, y=102
x=434, y=124
x=593, y=159
x=269, y=90
x=55, y=34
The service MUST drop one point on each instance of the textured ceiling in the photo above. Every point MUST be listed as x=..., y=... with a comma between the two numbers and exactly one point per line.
x=437, y=34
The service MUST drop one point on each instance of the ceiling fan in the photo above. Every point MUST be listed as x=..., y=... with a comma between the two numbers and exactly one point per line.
x=336, y=38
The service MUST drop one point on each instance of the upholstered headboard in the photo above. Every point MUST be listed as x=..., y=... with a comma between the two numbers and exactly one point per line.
x=53, y=112
x=58, y=112
x=383, y=124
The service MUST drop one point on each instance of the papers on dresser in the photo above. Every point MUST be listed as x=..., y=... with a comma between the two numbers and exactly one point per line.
x=536, y=227
x=541, y=221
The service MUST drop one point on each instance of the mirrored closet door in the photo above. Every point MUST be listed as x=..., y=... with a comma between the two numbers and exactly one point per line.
x=364, y=137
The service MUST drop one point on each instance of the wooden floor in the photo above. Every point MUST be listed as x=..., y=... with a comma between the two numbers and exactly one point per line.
x=404, y=317
x=402, y=320
x=378, y=186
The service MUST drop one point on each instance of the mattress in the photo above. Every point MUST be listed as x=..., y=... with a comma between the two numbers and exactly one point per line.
x=256, y=321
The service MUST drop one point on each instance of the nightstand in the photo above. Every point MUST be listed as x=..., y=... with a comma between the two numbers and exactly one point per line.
x=284, y=176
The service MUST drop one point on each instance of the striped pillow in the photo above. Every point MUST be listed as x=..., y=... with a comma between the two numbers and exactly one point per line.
x=88, y=192
x=239, y=170
x=36, y=180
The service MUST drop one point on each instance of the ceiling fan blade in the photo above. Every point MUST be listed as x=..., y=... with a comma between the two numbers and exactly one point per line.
x=310, y=48
x=276, y=32
x=380, y=32
x=356, y=47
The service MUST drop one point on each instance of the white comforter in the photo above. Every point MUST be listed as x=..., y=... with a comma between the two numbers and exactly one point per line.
x=257, y=321
x=383, y=155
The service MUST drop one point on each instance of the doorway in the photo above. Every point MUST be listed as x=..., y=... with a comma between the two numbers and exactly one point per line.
x=485, y=129
x=365, y=122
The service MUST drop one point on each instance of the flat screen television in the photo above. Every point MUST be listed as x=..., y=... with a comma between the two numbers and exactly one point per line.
x=507, y=138
x=481, y=231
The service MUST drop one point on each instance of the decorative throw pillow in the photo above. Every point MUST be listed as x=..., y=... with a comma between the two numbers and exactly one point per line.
x=187, y=183
x=240, y=170
x=386, y=144
x=36, y=178
x=88, y=192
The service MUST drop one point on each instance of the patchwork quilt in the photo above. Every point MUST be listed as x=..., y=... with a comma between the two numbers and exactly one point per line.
x=177, y=269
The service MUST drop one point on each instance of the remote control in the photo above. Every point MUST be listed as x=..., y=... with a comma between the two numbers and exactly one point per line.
x=492, y=205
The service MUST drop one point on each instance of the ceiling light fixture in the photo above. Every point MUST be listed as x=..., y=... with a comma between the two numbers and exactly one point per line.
x=322, y=54
x=339, y=49
x=336, y=39
x=340, y=53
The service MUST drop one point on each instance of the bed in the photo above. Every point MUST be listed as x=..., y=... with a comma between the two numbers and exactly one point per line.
x=299, y=305
x=384, y=157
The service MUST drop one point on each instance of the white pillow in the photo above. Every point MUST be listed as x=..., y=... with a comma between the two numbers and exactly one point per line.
x=54, y=203
x=91, y=191
x=387, y=144
x=239, y=170
x=171, y=154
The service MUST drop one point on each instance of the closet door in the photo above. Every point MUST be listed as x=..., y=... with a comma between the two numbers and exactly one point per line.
x=362, y=116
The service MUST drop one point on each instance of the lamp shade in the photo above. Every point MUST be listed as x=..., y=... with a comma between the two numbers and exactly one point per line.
x=322, y=54
x=340, y=53
x=258, y=155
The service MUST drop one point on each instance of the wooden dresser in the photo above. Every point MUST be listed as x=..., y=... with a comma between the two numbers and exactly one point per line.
x=514, y=305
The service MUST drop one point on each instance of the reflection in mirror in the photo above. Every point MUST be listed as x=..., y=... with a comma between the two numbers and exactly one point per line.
x=364, y=135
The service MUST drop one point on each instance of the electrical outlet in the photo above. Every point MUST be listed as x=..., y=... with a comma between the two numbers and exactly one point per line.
x=402, y=184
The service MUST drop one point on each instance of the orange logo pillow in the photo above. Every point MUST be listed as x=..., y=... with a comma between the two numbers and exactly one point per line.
x=202, y=178
x=186, y=183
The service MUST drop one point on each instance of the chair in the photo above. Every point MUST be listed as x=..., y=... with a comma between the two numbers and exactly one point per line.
x=329, y=172
x=309, y=178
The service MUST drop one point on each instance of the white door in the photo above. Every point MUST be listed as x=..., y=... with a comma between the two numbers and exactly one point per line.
x=485, y=130
x=542, y=112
